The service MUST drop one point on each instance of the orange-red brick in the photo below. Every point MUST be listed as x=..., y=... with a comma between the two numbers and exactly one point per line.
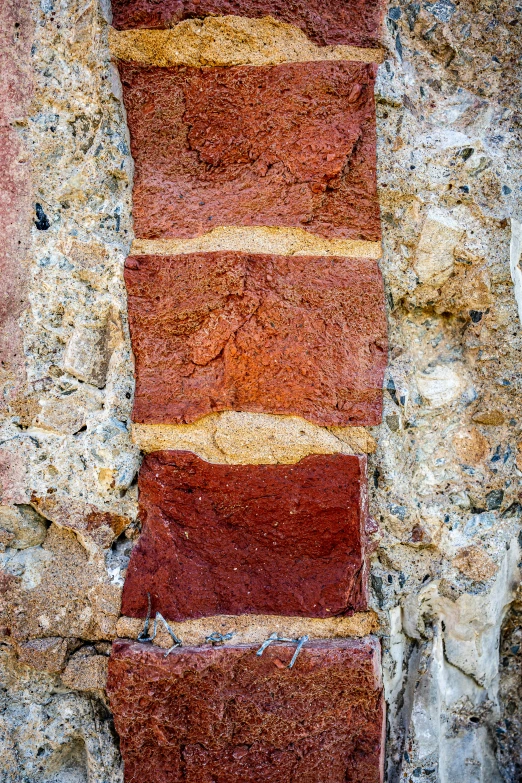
x=290, y=145
x=273, y=334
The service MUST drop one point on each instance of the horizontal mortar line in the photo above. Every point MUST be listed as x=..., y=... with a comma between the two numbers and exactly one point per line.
x=255, y=629
x=243, y=438
x=229, y=41
x=271, y=240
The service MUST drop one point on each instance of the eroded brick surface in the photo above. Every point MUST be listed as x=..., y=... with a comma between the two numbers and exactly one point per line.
x=16, y=209
x=237, y=539
x=226, y=715
x=288, y=145
x=357, y=22
x=266, y=334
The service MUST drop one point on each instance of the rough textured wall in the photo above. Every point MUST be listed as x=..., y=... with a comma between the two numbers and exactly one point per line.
x=16, y=197
x=64, y=443
x=444, y=478
x=446, y=481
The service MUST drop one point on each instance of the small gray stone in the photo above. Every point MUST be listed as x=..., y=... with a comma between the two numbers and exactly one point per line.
x=442, y=10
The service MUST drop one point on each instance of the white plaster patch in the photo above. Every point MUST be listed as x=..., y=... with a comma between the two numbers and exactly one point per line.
x=515, y=253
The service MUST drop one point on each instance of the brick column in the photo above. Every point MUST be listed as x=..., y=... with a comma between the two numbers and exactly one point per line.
x=257, y=318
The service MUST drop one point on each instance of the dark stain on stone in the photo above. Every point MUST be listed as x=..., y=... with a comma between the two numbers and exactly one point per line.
x=42, y=221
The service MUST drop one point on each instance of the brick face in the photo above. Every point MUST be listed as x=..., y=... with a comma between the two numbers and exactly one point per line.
x=266, y=334
x=290, y=145
x=357, y=22
x=225, y=715
x=262, y=539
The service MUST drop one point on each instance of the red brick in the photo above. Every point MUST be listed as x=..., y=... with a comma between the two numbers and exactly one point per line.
x=356, y=22
x=289, y=145
x=242, y=539
x=226, y=715
x=273, y=334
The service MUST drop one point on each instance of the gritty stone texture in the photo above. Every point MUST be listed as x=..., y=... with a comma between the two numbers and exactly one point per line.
x=56, y=589
x=86, y=672
x=220, y=146
x=434, y=257
x=226, y=714
x=265, y=539
x=254, y=629
x=94, y=527
x=229, y=40
x=61, y=269
x=324, y=21
x=69, y=414
x=509, y=725
x=236, y=438
x=58, y=432
x=47, y=655
x=87, y=355
x=50, y=733
x=21, y=527
x=266, y=334
x=16, y=210
x=475, y=563
x=489, y=418
x=448, y=151
x=446, y=106
x=471, y=446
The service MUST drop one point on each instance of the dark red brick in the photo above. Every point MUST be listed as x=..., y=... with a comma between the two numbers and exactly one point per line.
x=289, y=145
x=273, y=334
x=242, y=539
x=226, y=715
x=355, y=22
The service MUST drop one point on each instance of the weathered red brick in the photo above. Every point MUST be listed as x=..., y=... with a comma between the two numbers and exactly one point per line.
x=242, y=539
x=16, y=209
x=288, y=145
x=357, y=22
x=226, y=715
x=273, y=334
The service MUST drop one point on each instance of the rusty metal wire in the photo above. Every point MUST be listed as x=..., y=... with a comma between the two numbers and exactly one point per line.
x=276, y=638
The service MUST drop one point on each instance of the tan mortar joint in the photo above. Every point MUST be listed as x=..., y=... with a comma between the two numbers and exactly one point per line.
x=238, y=438
x=255, y=629
x=260, y=239
x=229, y=40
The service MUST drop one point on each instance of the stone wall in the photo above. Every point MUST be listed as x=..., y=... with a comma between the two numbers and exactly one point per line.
x=443, y=465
